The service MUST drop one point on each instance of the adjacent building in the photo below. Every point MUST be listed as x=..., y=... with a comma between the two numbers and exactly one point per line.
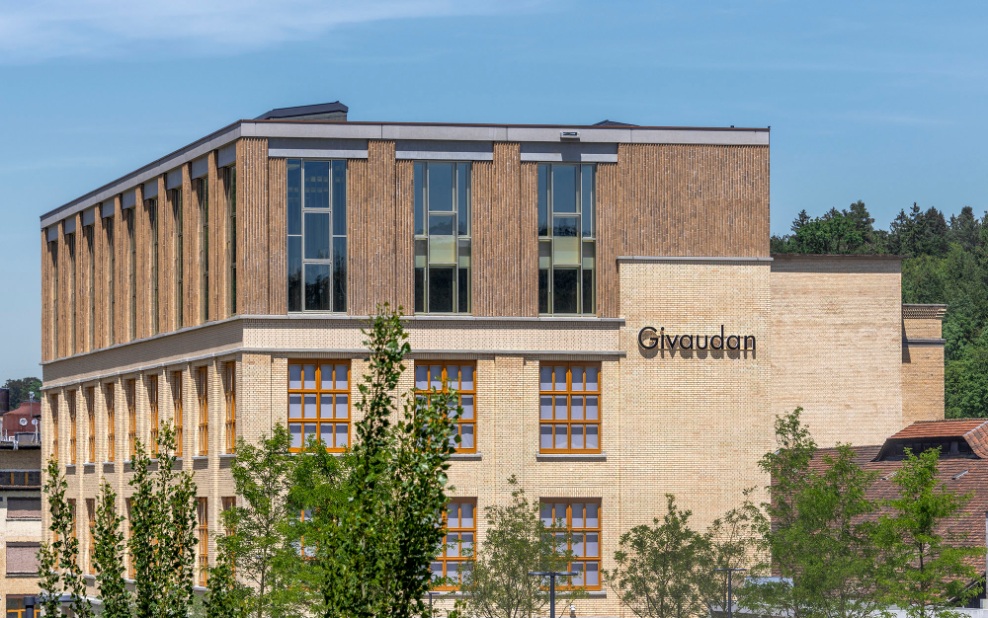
x=20, y=506
x=602, y=297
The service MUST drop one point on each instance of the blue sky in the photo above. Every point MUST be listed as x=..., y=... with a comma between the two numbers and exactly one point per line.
x=880, y=101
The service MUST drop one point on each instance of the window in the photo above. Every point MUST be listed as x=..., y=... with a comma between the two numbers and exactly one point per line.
x=130, y=393
x=202, y=386
x=131, y=272
x=16, y=606
x=202, y=518
x=111, y=278
x=153, y=405
x=53, y=404
x=72, y=517
x=131, y=567
x=226, y=504
x=453, y=565
x=230, y=184
x=55, y=301
x=178, y=413
x=91, y=539
x=230, y=388
x=111, y=423
x=202, y=196
x=442, y=237
x=22, y=558
x=88, y=231
x=151, y=206
x=459, y=377
x=24, y=508
x=319, y=404
x=317, y=256
x=178, y=226
x=73, y=429
x=569, y=408
x=73, y=305
x=582, y=521
x=567, y=247
x=90, y=394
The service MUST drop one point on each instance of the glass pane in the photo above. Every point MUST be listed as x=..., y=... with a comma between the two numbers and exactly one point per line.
x=545, y=378
x=545, y=408
x=588, y=291
x=463, y=291
x=436, y=568
x=576, y=408
x=441, y=225
x=317, y=288
x=466, y=402
x=543, y=291
x=561, y=408
x=310, y=407
x=421, y=377
x=452, y=571
x=592, y=545
x=565, y=294
x=592, y=408
x=564, y=188
x=466, y=515
x=326, y=434
x=296, y=432
x=545, y=513
x=342, y=376
x=309, y=376
x=592, y=515
x=577, y=378
x=576, y=438
x=545, y=254
x=420, y=290
x=463, y=253
x=463, y=197
x=326, y=376
x=441, y=290
x=466, y=436
x=545, y=437
x=442, y=250
x=294, y=376
x=440, y=187
x=561, y=512
x=543, y=200
x=578, y=548
x=466, y=544
x=342, y=410
x=295, y=272
x=339, y=198
x=466, y=377
x=592, y=378
x=453, y=515
x=436, y=377
x=578, y=578
x=325, y=406
x=316, y=235
x=587, y=198
x=420, y=198
x=592, y=574
x=592, y=438
x=452, y=545
x=560, y=441
x=341, y=435
x=565, y=227
x=310, y=432
x=565, y=252
x=339, y=273
x=316, y=184
x=578, y=515
x=560, y=382
x=294, y=196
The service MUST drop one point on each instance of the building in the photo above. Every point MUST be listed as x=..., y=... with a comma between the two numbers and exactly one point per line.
x=603, y=297
x=20, y=506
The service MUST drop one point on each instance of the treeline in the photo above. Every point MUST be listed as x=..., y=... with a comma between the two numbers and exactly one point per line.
x=944, y=261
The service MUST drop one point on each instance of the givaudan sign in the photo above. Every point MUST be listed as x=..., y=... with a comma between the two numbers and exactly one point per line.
x=649, y=338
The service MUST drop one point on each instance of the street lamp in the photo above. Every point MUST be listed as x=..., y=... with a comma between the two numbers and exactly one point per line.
x=730, y=588
x=552, y=575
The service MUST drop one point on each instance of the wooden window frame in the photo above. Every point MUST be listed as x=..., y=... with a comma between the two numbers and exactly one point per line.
x=444, y=559
x=202, y=390
x=178, y=412
x=130, y=394
x=319, y=392
x=90, y=396
x=567, y=518
x=230, y=397
x=129, y=555
x=53, y=404
x=202, y=531
x=154, y=415
x=73, y=428
x=569, y=393
x=109, y=394
x=426, y=393
x=91, y=539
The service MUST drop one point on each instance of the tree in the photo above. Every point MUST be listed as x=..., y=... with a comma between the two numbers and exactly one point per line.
x=374, y=513
x=226, y=597
x=108, y=557
x=735, y=539
x=59, y=560
x=163, y=532
x=517, y=543
x=930, y=571
x=22, y=389
x=665, y=570
x=256, y=531
x=819, y=533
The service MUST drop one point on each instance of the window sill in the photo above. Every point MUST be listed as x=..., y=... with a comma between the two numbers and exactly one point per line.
x=21, y=575
x=228, y=456
x=200, y=457
x=109, y=466
x=24, y=518
x=571, y=457
x=466, y=457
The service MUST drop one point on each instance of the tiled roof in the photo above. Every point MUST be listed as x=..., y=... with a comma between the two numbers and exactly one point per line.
x=974, y=431
x=923, y=312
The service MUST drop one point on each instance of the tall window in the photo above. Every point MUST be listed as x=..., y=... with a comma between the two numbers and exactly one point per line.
x=70, y=245
x=569, y=408
x=581, y=519
x=567, y=246
x=73, y=429
x=317, y=256
x=178, y=241
x=88, y=231
x=202, y=196
x=91, y=538
x=230, y=184
x=72, y=518
x=460, y=377
x=131, y=567
x=151, y=206
x=130, y=393
x=319, y=404
x=131, y=271
x=453, y=565
x=202, y=388
x=202, y=519
x=153, y=405
x=111, y=422
x=55, y=301
x=178, y=413
x=111, y=279
x=90, y=394
x=230, y=393
x=442, y=237
x=53, y=404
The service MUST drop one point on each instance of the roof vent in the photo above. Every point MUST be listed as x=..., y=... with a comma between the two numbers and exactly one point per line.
x=960, y=474
x=569, y=136
x=335, y=112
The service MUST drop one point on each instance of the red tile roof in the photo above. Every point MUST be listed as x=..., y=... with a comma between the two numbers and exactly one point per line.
x=974, y=431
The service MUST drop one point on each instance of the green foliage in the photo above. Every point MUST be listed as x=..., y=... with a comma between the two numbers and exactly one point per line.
x=929, y=572
x=163, y=532
x=20, y=390
x=373, y=520
x=108, y=557
x=665, y=570
x=257, y=526
x=820, y=537
x=226, y=597
x=516, y=544
x=59, y=561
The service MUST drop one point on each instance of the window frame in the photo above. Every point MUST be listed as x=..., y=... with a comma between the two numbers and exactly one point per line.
x=178, y=411
x=318, y=392
x=53, y=405
x=130, y=395
x=202, y=391
x=571, y=532
x=70, y=396
x=569, y=421
x=154, y=415
x=443, y=559
x=202, y=546
x=109, y=395
x=230, y=402
x=444, y=378
x=90, y=398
